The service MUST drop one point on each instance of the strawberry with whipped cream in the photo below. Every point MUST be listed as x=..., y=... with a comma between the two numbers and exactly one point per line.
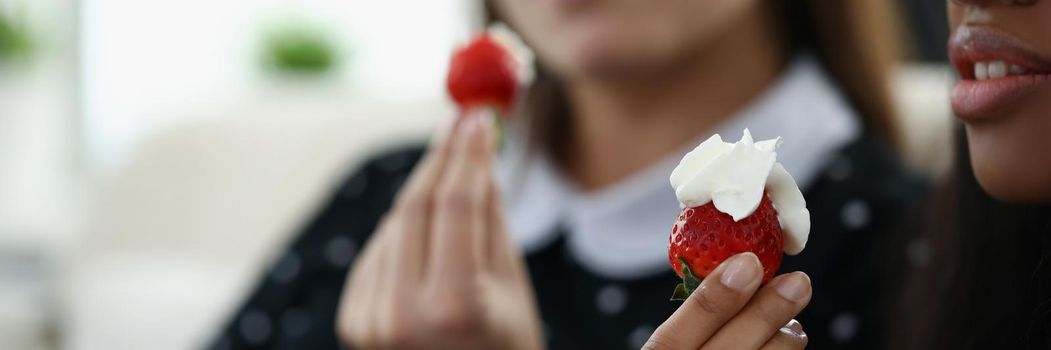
x=736, y=198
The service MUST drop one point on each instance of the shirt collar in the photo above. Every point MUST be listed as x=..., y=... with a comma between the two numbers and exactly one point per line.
x=621, y=231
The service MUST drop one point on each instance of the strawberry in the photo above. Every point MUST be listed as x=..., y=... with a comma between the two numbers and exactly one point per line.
x=703, y=237
x=483, y=74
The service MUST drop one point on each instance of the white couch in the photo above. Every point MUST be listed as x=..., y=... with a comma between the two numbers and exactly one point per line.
x=184, y=229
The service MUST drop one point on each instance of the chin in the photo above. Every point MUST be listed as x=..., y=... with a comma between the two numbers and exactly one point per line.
x=599, y=62
x=610, y=52
x=592, y=60
x=1014, y=189
x=1006, y=174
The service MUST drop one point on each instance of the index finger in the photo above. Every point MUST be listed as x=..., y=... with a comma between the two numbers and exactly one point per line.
x=718, y=299
x=412, y=208
x=420, y=185
x=459, y=221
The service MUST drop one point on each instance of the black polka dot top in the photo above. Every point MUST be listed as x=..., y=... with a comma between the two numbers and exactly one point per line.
x=858, y=197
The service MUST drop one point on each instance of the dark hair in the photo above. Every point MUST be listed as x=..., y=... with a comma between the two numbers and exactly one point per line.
x=856, y=41
x=981, y=272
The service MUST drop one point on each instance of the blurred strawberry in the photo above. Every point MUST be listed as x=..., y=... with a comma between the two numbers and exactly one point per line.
x=483, y=74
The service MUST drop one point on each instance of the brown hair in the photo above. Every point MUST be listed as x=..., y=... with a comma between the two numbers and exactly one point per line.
x=855, y=40
x=979, y=277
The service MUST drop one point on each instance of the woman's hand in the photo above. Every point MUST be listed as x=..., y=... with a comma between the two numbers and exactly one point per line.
x=440, y=272
x=730, y=311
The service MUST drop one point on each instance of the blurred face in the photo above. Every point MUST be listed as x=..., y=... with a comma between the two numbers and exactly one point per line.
x=1002, y=50
x=615, y=37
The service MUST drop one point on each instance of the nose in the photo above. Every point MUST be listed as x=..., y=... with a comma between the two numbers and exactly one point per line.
x=994, y=2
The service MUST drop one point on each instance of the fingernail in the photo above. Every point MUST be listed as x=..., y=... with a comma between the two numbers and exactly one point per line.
x=794, y=327
x=468, y=124
x=741, y=271
x=485, y=118
x=795, y=287
x=477, y=120
x=488, y=126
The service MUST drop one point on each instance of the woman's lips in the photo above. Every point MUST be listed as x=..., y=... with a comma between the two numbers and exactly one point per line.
x=996, y=70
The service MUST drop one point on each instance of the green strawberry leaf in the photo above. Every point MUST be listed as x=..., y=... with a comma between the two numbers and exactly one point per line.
x=680, y=293
x=690, y=282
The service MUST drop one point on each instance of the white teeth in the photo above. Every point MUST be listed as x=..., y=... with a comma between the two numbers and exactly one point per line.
x=996, y=69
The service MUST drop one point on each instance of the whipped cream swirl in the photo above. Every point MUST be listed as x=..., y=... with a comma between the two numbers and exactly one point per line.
x=733, y=177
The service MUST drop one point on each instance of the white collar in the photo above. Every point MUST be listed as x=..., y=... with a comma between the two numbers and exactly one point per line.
x=621, y=231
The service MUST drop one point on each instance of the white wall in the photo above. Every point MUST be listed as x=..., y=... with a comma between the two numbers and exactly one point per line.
x=149, y=65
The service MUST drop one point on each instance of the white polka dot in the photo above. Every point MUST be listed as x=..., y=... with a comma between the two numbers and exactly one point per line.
x=611, y=299
x=355, y=186
x=295, y=322
x=255, y=327
x=843, y=327
x=918, y=252
x=340, y=250
x=841, y=169
x=855, y=214
x=638, y=337
x=286, y=269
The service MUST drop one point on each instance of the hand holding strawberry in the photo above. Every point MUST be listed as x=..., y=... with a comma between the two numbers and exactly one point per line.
x=736, y=198
x=440, y=272
x=489, y=73
x=741, y=209
x=731, y=310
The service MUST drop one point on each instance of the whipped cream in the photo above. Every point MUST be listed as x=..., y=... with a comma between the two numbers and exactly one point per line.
x=733, y=177
x=520, y=52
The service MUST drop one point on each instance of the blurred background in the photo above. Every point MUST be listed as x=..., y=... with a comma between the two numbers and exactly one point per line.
x=154, y=154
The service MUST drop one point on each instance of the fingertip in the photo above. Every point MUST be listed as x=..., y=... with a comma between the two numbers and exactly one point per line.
x=478, y=135
x=794, y=287
x=792, y=333
x=491, y=132
x=741, y=272
x=468, y=124
x=753, y=258
x=485, y=119
x=795, y=328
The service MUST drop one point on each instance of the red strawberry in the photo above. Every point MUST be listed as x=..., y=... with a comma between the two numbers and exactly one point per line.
x=483, y=74
x=703, y=237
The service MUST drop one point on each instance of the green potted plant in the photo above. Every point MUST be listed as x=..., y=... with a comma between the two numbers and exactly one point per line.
x=298, y=48
x=14, y=39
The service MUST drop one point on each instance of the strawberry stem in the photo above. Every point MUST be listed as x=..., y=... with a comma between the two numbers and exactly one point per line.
x=690, y=282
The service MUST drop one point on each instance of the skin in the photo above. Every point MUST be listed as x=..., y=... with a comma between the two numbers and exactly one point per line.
x=643, y=78
x=440, y=272
x=1009, y=151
